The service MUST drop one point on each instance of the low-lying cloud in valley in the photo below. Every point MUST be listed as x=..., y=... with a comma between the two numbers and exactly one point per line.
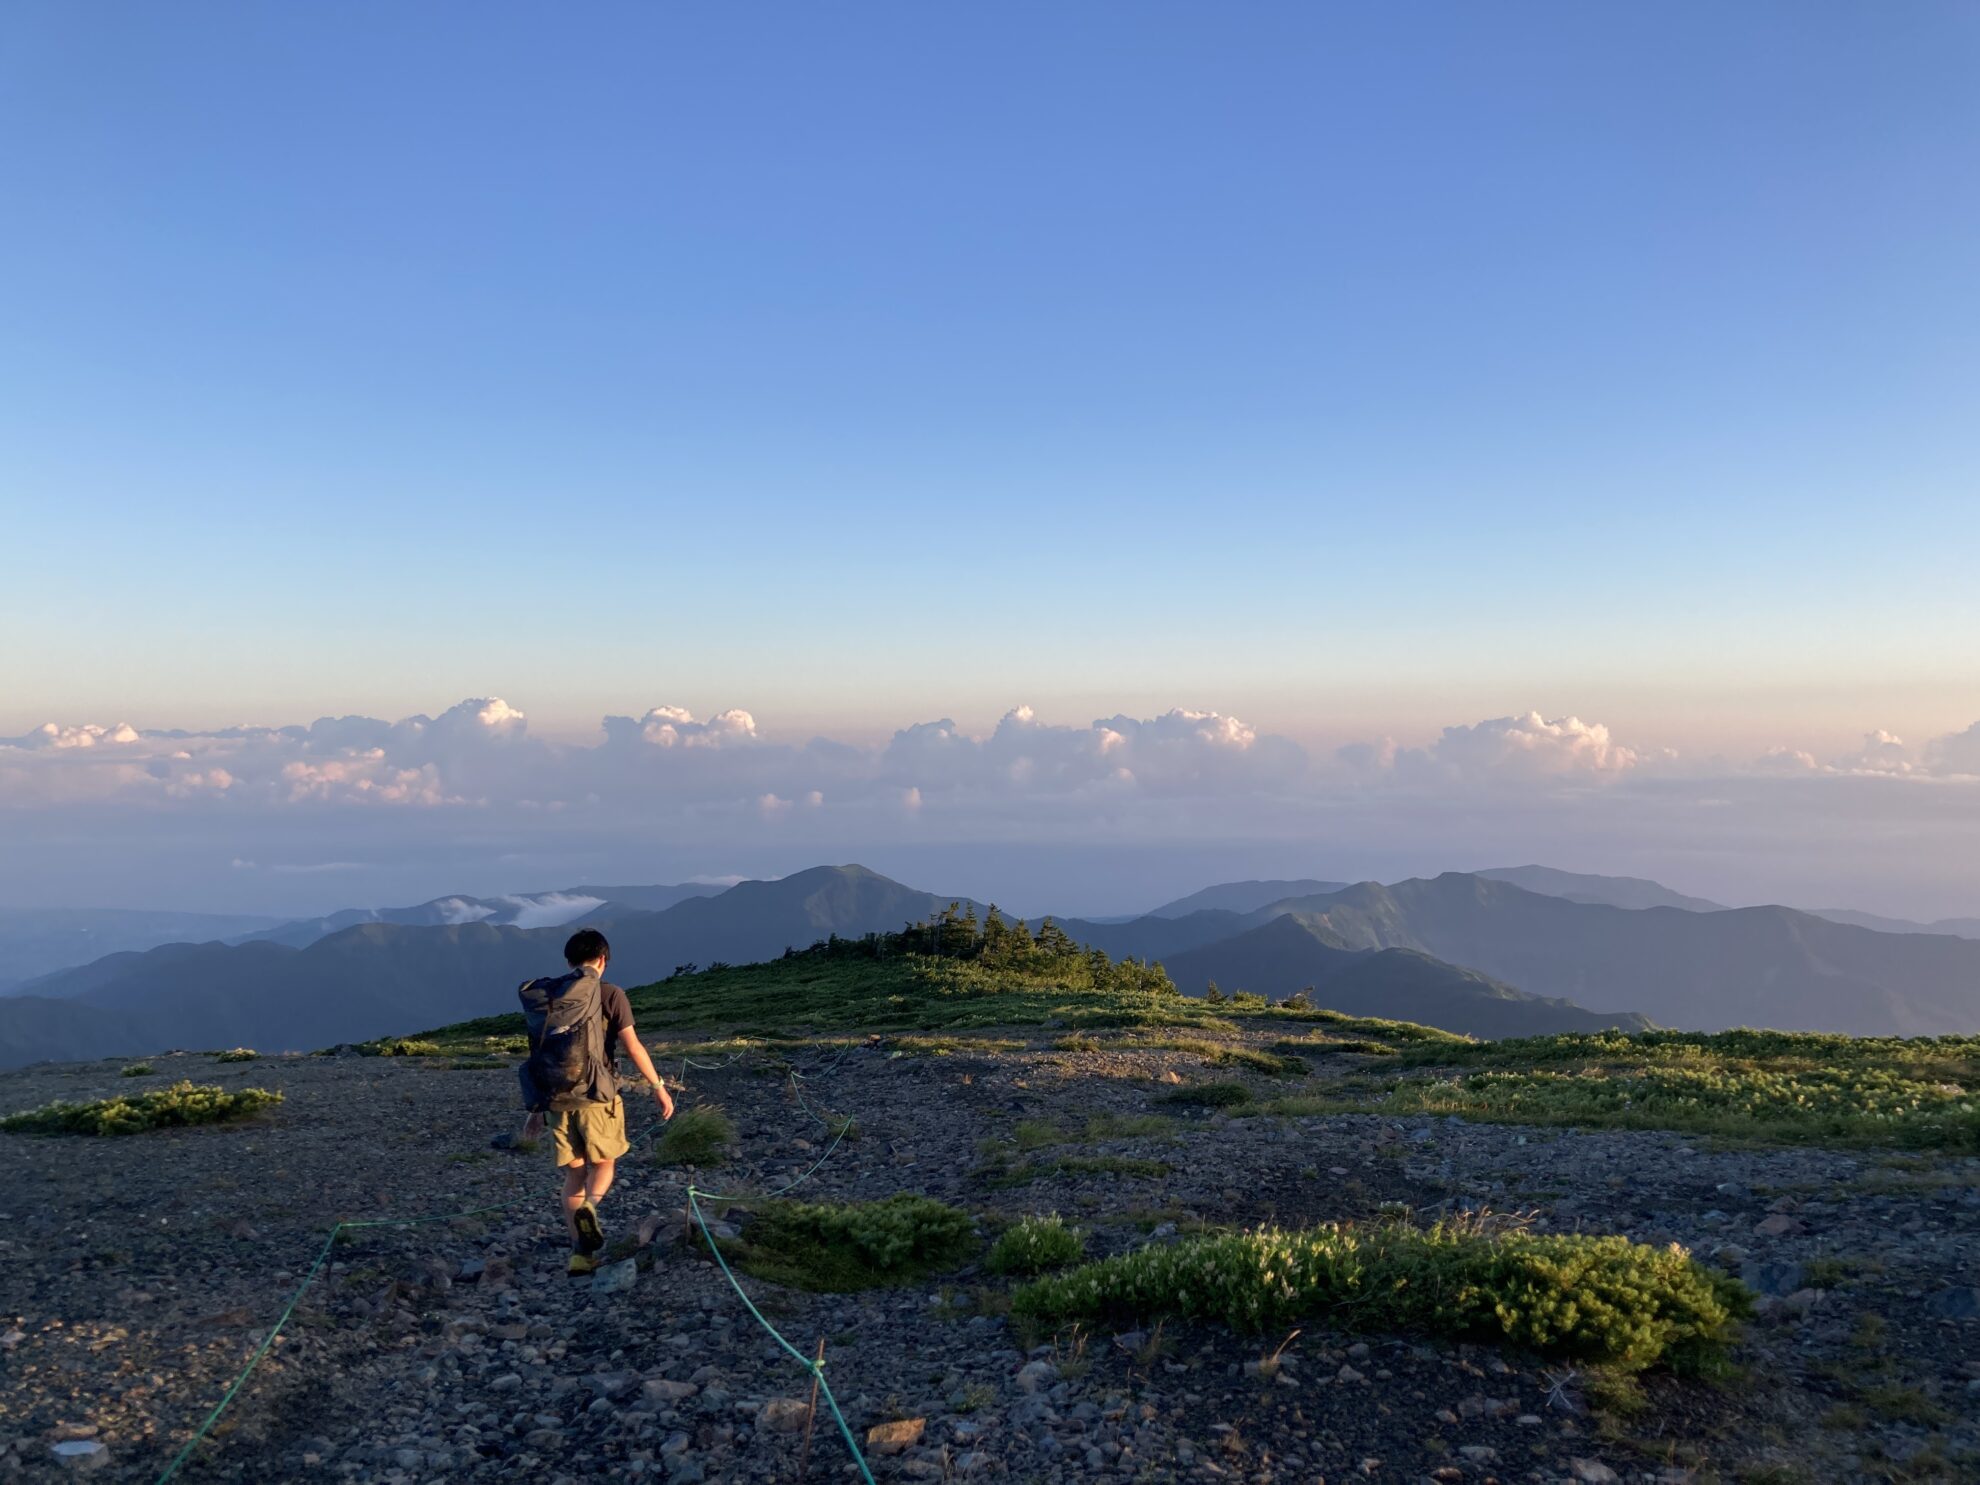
x=470, y=800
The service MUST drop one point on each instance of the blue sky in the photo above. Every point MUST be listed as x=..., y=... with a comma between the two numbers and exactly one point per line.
x=1356, y=370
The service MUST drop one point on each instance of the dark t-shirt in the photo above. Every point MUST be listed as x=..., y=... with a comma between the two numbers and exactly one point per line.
x=617, y=1011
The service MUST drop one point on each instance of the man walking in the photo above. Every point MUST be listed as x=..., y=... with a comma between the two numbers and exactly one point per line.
x=577, y=1026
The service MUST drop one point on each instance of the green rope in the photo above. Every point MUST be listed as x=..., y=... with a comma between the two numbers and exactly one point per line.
x=816, y=1368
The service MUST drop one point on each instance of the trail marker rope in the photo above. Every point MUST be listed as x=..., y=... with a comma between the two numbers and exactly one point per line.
x=268, y=1341
x=816, y=1368
x=323, y=1254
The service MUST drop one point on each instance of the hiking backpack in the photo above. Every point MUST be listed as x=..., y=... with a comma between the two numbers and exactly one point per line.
x=568, y=1063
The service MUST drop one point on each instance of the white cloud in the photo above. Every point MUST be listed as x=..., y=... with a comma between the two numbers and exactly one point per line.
x=1957, y=753
x=1187, y=771
x=551, y=909
x=1882, y=752
x=1524, y=749
x=675, y=727
x=88, y=735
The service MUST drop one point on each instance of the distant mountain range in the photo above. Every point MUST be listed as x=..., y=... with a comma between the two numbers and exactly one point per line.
x=38, y=941
x=1578, y=886
x=1762, y=966
x=1510, y=951
x=1957, y=927
x=1287, y=954
x=1241, y=897
x=525, y=910
x=380, y=977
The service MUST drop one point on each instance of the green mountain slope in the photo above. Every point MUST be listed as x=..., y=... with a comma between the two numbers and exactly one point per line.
x=1242, y=897
x=1290, y=953
x=1581, y=886
x=1767, y=966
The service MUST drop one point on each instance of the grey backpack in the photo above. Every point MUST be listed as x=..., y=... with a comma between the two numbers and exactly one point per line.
x=568, y=1063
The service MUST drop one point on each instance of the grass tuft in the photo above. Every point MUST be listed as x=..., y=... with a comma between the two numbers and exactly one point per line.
x=138, y=1070
x=698, y=1136
x=1034, y=1245
x=238, y=1054
x=180, y=1105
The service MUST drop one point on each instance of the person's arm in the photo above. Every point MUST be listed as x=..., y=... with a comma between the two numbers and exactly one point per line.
x=629, y=1039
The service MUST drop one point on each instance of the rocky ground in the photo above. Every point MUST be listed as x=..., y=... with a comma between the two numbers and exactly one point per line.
x=137, y=1275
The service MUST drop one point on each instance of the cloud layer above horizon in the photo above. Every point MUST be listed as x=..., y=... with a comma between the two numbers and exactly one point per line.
x=327, y=793
x=479, y=755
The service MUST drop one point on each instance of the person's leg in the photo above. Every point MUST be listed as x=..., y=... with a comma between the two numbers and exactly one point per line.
x=598, y=1179
x=575, y=1180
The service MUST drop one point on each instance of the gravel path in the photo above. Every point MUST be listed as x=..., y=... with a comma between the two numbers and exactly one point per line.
x=137, y=1275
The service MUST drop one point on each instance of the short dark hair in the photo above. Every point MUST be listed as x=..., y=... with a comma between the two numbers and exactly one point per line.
x=586, y=945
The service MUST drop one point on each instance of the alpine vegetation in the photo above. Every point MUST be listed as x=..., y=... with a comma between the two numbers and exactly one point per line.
x=1601, y=1299
x=1033, y=1245
x=181, y=1104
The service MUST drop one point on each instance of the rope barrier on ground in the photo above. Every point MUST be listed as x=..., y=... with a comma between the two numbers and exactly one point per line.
x=329, y=1242
x=816, y=1368
x=268, y=1341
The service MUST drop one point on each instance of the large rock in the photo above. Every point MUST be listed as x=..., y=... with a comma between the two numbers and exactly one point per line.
x=661, y=1392
x=1955, y=1304
x=80, y=1454
x=892, y=1438
x=1772, y=1278
x=783, y=1414
x=1034, y=1376
x=615, y=1278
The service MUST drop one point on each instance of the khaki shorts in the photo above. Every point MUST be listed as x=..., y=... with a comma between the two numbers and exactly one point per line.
x=592, y=1131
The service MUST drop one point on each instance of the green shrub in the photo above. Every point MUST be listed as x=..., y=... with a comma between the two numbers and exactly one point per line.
x=1599, y=1299
x=139, y=1070
x=1032, y=1245
x=402, y=1046
x=1211, y=1095
x=238, y=1054
x=698, y=1136
x=835, y=1247
x=181, y=1104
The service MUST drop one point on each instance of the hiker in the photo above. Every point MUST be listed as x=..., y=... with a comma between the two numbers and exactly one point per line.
x=577, y=1026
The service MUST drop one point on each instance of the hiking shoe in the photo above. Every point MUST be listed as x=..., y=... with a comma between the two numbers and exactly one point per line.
x=590, y=1235
x=581, y=1264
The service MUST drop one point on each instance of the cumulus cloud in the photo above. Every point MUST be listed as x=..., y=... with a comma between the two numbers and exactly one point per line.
x=89, y=735
x=1784, y=760
x=676, y=727
x=1518, y=749
x=1882, y=752
x=1957, y=753
x=1187, y=769
x=1179, y=752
